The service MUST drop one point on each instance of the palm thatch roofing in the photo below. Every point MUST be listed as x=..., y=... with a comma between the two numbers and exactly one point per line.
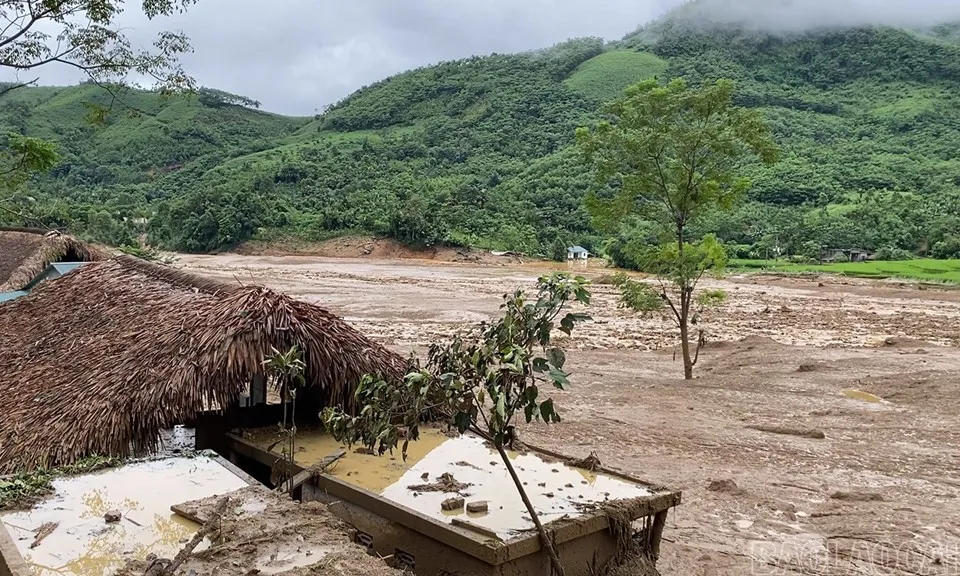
x=25, y=252
x=102, y=359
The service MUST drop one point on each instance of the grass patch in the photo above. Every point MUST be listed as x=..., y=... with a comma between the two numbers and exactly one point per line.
x=925, y=269
x=24, y=489
x=606, y=76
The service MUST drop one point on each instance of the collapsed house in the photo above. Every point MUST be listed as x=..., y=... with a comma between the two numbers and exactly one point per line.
x=26, y=252
x=101, y=360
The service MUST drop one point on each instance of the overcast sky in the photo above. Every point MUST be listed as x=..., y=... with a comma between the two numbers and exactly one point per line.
x=298, y=55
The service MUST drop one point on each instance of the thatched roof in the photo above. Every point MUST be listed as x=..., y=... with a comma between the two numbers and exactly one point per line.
x=25, y=252
x=102, y=359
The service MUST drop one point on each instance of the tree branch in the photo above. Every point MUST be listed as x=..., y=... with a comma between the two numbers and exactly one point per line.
x=15, y=86
x=34, y=18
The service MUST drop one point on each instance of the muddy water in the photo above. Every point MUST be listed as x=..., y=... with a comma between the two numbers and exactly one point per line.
x=373, y=473
x=862, y=396
x=563, y=492
x=84, y=544
x=555, y=489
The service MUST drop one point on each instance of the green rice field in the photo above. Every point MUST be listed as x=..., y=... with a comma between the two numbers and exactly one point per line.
x=922, y=269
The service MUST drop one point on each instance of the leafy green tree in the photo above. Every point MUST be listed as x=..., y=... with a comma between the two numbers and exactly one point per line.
x=81, y=34
x=558, y=250
x=218, y=98
x=21, y=157
x=483, y=382
x=418, y=223
x=672, y=154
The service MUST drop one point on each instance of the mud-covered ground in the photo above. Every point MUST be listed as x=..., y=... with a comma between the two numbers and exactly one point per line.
x=876, y=494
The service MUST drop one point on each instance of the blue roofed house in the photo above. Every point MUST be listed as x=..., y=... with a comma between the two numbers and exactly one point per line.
x=29, y=256
x=577, y=253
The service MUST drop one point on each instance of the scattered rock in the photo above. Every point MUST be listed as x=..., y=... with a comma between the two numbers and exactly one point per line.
x=112, y=516
x=425, y=475
x=477, y=507
x=542, y=484
x=726, y=486
x=452, y=504
x=568, y=485
x=549, y=494
x=857, y=496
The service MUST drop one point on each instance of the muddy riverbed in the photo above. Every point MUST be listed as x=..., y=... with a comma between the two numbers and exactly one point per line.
x=820, y=436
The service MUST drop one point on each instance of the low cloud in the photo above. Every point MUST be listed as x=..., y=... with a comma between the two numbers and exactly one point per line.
x=296, y=56
x=808, y=15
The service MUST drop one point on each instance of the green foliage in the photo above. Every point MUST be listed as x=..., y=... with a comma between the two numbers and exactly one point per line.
x=671, y=152
x=868, y=121
x=888, y=253
x=558, y=250
x=637, y=296
x=21, y=156
x=949, y=247
x=218, y=98
x=88, y=39
x=23, y=489
x=671, y=156
x=483, y=379
x=916, y=269
x=606, y=76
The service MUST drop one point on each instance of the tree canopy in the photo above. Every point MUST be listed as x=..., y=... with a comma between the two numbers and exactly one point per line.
x=868, y=122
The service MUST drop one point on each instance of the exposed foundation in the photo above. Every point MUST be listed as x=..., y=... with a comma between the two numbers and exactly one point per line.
x=397, y=506
x=83, y=543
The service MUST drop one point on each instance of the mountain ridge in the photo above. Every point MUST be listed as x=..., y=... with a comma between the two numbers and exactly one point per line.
x=478, y=151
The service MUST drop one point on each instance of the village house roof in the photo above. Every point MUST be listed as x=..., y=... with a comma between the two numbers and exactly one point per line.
x=102, y=359
x=26, y=252
x=577, y=249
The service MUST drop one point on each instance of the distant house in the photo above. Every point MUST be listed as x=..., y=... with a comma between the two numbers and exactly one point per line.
x=577, y=253
x=844, y=254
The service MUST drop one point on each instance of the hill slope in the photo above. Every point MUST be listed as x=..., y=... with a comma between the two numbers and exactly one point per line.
x=478, y=151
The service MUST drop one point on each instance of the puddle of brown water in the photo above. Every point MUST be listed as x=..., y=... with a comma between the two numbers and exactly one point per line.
x=373, y=473
x=862, y=396
x=83, y=544
x=566, y=489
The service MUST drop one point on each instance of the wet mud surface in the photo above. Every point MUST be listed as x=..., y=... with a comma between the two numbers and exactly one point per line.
x=869, y=372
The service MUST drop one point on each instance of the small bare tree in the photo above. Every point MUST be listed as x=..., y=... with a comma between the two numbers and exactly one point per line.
x=285, y=369
x=480, y=382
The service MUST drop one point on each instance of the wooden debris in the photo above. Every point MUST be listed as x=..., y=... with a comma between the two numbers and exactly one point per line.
x=312, y=472
x=195, y=541
x=474, y=528
x=43, y=531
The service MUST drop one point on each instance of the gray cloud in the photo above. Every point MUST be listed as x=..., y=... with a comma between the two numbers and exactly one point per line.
x=298, y=55
x=805, y=15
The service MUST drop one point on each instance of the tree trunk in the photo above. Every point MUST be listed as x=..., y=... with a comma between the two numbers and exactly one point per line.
x=685, y=347
x=544, y=537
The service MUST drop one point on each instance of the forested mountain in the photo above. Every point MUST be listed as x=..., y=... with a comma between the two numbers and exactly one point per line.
x=478, y=151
